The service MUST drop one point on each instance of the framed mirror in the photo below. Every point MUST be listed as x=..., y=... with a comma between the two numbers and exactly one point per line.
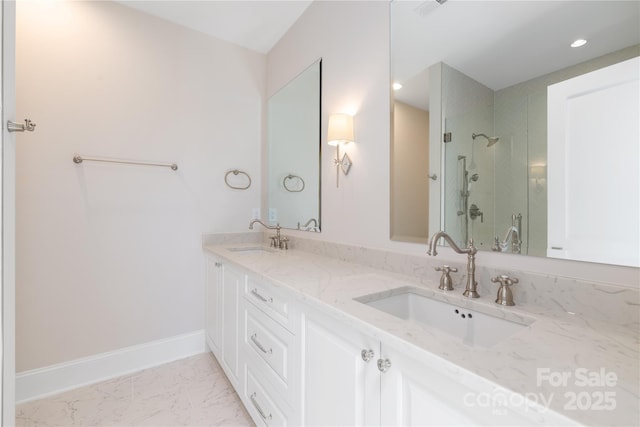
x=480, y=73
x=293, y=152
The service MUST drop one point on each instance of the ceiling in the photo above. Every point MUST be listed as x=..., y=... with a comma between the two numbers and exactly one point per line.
x=256, y=25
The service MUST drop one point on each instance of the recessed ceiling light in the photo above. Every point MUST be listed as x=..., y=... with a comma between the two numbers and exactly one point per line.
x=578, y=43
x=397, y=86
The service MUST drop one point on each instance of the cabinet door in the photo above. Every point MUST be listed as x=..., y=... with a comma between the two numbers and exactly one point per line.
x=213, y=305
x=340, y=387
x=232, y=283
x=413, y=394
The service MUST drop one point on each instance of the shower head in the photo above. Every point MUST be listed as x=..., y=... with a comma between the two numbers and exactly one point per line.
x=491, y=139
x=474, y=177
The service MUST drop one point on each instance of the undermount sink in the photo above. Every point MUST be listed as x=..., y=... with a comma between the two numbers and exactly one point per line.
x=470, y=326
x=251, y=249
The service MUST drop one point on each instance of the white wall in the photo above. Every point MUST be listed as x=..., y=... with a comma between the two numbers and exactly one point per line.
x=109, y=256
x=353, y=40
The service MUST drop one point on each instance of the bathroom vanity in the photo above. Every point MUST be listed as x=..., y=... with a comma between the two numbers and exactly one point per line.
x=307, y=338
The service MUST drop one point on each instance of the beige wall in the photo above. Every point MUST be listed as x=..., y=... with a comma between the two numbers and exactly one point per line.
x=109, y=256
x=410, y=173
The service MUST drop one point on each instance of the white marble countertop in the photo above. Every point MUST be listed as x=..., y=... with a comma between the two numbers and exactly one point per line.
x=596, y=364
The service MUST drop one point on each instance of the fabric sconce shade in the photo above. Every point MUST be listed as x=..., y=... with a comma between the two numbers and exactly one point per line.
x=340, y=129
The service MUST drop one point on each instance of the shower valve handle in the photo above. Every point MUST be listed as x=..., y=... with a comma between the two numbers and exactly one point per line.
x=475, y=212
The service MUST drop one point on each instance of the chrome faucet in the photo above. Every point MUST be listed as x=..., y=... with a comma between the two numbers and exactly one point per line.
x=511, y=237
x=470, y=250
x=277, y=241
x=306, y=226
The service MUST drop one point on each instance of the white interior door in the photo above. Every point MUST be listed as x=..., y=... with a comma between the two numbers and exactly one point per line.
x=8, y=212
x=594, y=162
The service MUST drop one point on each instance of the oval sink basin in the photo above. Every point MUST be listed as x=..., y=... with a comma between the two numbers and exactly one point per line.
x=471, y=326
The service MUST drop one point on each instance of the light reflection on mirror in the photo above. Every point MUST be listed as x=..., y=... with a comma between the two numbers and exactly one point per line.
x=483, y=67
x=293, y=152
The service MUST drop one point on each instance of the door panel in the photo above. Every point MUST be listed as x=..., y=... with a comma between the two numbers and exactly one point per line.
x=340, y=387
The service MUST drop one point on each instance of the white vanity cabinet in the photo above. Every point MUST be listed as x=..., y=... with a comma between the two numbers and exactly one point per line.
x=223, y=317
x=293, y=363
x=353, y=379
x=271, y=350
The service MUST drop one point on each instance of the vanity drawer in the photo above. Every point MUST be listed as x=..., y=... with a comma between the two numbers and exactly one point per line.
x=268, y=299
x=269, y=348
x=263, y=406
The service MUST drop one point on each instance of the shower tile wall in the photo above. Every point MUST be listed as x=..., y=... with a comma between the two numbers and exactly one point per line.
x=511, y=125
x=467, y=108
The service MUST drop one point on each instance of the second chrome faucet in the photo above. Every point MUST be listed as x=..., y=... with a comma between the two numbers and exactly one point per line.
x=277, y=241
x=471, y=288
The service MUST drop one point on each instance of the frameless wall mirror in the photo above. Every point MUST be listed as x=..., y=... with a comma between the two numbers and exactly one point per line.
x=492, y=102
x=293, y=152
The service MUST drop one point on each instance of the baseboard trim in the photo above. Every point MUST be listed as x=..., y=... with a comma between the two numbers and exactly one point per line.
x=54, y=379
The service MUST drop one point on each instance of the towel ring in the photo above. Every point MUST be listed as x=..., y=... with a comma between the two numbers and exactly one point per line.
x=288, y=177
x=237, y=172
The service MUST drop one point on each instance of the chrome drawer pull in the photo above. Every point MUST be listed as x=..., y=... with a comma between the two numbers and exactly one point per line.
x=254, y=291
x=258, y=408
x=254, y=338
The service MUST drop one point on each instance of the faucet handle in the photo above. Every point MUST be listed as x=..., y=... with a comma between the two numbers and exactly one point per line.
x=505, y=296
x=446, y=283
x=284, y=243
x=504, y=280
x=496, y=245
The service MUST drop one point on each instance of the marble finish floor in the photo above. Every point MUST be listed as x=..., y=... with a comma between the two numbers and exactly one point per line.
x=189, y=392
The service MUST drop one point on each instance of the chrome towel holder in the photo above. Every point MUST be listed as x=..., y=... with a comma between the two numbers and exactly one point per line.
x=237, y=172
x=28, y=126
x=290, y=177
x=79, y=159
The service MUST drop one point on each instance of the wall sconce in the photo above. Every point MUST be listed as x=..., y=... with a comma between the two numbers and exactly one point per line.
x=538, y=174
x=340, y=133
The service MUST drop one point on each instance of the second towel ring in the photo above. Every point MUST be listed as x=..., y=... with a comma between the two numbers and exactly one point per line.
x=289, y=189
x=237, y=172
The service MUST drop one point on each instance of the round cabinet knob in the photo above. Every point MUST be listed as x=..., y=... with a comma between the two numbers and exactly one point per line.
x=367, y=355
x=384, y=365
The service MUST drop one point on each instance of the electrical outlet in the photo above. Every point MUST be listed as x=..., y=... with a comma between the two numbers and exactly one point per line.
x=255, y=213
x=273, y=214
